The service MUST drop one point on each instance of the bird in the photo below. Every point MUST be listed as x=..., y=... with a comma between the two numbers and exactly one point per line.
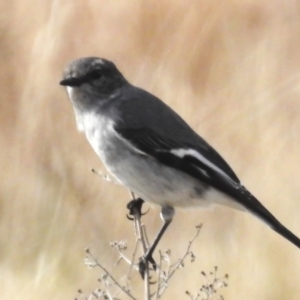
x=151, y=150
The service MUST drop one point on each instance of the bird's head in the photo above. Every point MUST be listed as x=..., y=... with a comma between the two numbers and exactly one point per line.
x=92, y=75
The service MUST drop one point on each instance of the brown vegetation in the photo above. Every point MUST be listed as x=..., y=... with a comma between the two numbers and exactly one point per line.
x=231, y=68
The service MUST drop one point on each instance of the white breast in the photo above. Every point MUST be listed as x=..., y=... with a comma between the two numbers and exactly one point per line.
x=99, y=132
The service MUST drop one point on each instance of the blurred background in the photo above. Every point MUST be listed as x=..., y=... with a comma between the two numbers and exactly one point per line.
x=230, y=68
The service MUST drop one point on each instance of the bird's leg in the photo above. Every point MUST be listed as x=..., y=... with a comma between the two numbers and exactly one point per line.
x=167, y=214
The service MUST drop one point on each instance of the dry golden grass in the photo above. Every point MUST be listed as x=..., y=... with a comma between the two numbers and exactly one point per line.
x=231, y=68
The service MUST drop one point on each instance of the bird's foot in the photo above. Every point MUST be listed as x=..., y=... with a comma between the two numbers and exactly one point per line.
x=144, y=262
x=135, y=208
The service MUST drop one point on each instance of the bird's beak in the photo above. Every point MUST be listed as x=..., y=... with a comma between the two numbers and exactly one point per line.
x=72, y=81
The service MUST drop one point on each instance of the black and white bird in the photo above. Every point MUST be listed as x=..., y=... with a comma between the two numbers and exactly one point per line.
x=150, y=149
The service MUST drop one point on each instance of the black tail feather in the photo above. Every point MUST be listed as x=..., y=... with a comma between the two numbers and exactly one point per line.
x=254, y=206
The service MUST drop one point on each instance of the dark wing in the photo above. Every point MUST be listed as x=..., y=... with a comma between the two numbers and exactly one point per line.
x=202, y=163
x=154, y=128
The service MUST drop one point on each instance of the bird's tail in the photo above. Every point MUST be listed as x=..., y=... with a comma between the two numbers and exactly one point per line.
x=255, y=207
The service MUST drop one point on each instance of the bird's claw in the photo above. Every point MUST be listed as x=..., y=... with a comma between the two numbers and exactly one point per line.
x=135, y=208
x=143, y=262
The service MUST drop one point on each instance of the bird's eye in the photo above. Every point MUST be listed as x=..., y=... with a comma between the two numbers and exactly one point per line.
x=96, y=74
